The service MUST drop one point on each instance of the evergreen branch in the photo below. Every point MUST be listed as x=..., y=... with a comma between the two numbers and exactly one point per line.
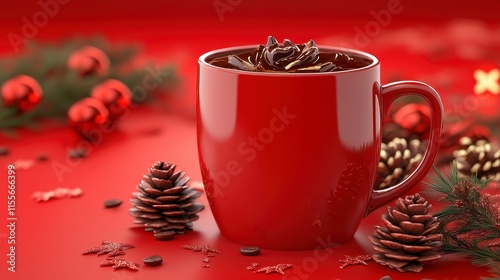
x=479, y=256
x=494, y=271
x=47, y=64
x=443, y=184
x=468, y=223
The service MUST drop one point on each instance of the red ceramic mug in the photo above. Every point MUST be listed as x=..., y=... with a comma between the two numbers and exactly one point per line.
x=289, y=160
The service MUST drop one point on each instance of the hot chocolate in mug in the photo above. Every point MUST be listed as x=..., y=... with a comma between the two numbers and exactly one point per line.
x=289, y=157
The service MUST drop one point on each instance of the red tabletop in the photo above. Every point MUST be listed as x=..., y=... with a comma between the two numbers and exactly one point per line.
x=50, y=236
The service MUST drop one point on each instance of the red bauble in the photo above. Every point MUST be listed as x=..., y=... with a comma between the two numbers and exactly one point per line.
x=89, y=60
x=413, y=117
x=22, y=92
x=86, y=115
x=115, y=95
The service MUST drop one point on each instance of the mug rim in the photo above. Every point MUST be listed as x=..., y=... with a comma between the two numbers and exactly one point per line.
x=202, y=60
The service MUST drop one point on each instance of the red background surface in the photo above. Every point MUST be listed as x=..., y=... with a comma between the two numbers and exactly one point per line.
x=52, y=235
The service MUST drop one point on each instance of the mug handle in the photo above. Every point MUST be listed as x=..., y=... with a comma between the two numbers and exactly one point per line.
x=389, y=93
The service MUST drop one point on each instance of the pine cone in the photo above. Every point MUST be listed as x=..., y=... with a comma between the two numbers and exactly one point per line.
x=408, y=238
x=398, y=159
x=478, y=158
x=392, y=130
x=165, y=204
x=462, y=133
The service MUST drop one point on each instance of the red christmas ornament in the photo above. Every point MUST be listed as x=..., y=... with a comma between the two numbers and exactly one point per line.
x=22, y=92
x=413, y=117
x=115, y=95
x=89, y=60
x=87, y=114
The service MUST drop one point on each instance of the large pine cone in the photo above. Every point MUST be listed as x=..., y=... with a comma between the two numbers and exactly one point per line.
x=165, y=204
x=478, y=158
x=408, y=238
x=398, y=159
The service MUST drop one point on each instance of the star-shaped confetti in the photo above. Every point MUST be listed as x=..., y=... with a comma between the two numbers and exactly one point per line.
x=350, y=260
x=279, y=268
x=205, y=249
x=487, y=81
x=57, y=193
x=110, y=248
x=253, y=266
x=119, y=262
x=23, y=164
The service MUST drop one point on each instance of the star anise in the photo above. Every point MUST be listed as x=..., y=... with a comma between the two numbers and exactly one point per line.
x=119, y=262
x=110, y=248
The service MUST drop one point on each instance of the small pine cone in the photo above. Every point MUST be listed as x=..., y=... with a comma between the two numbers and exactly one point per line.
x=392, y=130
x=408, y=238
x=165, y=204
x=398, y=159
x=478, y=158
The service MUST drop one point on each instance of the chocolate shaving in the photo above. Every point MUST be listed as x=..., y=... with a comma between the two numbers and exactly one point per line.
x=290, y=58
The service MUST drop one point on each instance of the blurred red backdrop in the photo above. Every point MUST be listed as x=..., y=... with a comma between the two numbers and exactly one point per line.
x=414, y=39
x=206, y=22
x=179, y=32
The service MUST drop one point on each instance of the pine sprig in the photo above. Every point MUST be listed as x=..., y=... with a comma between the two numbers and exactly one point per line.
x=47, y=64
x=494, y=271
x=469, y=223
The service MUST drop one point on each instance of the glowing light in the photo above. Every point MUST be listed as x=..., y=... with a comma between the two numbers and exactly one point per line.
x=487, y=81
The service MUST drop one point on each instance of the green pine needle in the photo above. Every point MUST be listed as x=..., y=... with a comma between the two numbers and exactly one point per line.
x=494, y=271
x=469, y=222
x=62, y=87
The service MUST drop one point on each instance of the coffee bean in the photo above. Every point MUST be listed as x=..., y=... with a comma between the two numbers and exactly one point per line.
x=42, y=157
x=77, y=153
x=110, y=203
x=250, y=251
x=153, y=260
x=165, y=235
